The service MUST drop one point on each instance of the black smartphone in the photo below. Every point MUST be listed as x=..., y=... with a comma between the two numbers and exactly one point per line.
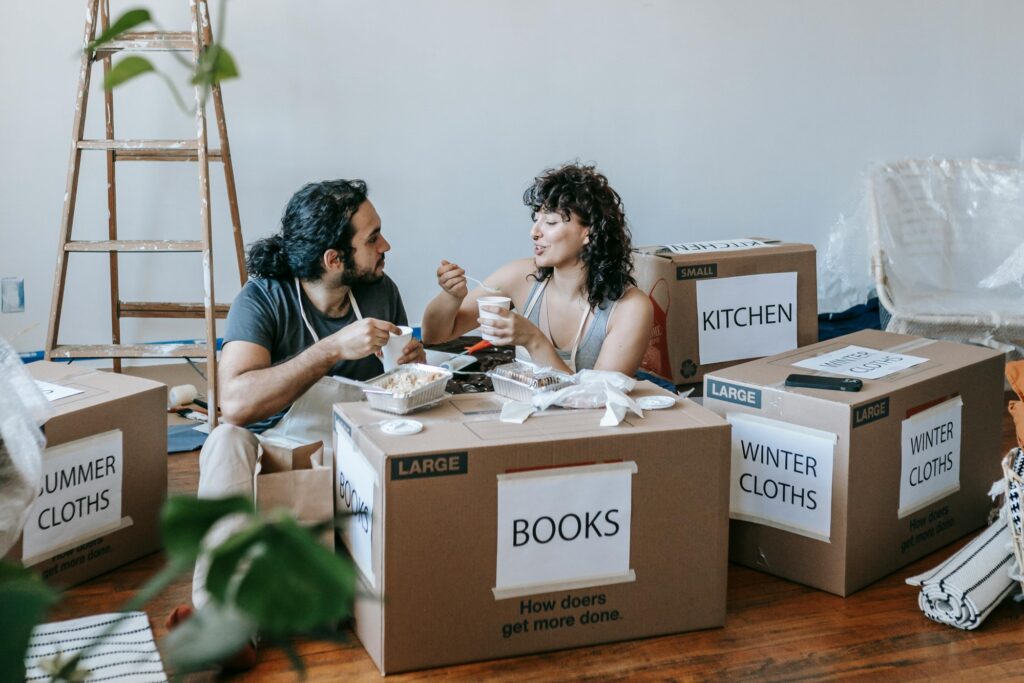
x=832, y=383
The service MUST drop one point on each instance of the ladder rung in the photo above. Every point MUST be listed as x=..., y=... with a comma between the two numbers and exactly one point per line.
x=151, y=150
x=167, y=155
x=130, y=351
x=134, y=245
x=147, y=41
x=168, y=309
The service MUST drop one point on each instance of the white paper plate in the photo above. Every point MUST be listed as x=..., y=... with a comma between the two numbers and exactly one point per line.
x=402, y=427
x=655, y=402
x=455, y=361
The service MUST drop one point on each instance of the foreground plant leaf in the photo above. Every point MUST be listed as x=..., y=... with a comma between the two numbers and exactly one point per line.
x=185, y=520
x=125, y=22
x=211, y=635
x=282, y=577
x=24, y=599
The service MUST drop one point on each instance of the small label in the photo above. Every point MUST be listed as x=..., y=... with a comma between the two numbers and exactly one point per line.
x=338, y=422
x=715, y=245
x=862, y=362
x=930, y=467
x=734, y=393
x=747, y=316
x=870, y=412
x=436, y=465
x=781, y=475
x=697, y=272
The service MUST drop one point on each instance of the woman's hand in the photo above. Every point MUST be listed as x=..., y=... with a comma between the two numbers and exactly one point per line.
x=452, y=279
x=509, y=328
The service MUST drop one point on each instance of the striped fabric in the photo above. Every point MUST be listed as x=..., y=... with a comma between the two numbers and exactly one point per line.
x=128, y=653
x=964, y=589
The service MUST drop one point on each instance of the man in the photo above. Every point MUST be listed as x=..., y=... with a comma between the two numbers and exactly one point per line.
x=318, y=304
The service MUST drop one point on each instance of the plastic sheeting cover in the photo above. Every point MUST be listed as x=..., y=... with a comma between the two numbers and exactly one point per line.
x=946, y=245
x=22, y=409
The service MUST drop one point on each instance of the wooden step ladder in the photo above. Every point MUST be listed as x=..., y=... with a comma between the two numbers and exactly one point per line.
x=194, y=41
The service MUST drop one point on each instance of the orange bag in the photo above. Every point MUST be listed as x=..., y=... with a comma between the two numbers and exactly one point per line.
x=1015, y=375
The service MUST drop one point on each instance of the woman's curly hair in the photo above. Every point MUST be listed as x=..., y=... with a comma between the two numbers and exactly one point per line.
x=607, y=257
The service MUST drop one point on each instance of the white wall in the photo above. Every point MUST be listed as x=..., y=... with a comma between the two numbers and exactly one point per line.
x=712, y=118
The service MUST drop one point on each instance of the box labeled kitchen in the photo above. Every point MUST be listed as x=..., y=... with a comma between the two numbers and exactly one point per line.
x=720, y=302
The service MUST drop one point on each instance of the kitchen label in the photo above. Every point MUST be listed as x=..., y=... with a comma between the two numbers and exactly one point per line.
x=746, y=317
x=715, y=246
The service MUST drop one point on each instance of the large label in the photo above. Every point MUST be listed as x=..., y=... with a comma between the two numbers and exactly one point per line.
x=931, y=456
x=80, y=495
x=746, y=317
x=563, y=528
x=733, y=393
x=861, y=362
x=715, y=246
x=433, y=465
x=782, y=475
x=354, y=485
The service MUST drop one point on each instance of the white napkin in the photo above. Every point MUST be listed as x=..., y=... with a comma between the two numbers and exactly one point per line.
x=516, y=412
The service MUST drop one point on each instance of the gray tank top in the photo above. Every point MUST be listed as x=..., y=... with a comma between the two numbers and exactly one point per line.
x=593, y=339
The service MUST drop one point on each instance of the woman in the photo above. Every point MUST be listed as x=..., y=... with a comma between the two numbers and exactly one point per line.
x=580, y=307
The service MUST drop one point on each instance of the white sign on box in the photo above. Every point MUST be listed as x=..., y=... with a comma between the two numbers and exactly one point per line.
x=746, y=317
x=715, y=246
x=858, y=361
x=354, y=485
x=55, y=392
x=781, y=475
x=80, y=495
x=564, y=528
x=931, y=456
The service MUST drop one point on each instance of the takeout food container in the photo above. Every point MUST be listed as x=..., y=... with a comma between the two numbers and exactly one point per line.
x=522, y=381
x=425, y=385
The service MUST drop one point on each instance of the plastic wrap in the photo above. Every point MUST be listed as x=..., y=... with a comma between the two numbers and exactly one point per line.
x=22, y=409
x=844, y=265
x=946, y=249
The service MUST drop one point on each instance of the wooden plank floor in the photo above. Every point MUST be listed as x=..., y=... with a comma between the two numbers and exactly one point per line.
x=775, y=630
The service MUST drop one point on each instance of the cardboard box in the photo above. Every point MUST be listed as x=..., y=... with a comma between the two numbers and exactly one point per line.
x=298, y=479
x=105, y=474
x=481, y=539
x=837, y=489
x=722, y=302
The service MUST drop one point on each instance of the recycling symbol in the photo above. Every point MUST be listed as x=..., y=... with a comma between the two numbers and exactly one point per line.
x=689, y=368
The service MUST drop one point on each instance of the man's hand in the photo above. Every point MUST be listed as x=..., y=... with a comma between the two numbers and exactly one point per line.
x=452, y=279
x=413, y=353
x=362, y=338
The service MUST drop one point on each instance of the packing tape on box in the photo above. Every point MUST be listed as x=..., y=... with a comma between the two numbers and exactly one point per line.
x=180, y=395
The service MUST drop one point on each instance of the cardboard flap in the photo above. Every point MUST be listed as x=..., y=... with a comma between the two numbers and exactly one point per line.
x=279, y=458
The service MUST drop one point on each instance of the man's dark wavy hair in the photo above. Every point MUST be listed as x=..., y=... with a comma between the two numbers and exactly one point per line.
x=582, y=190
x=317, y=218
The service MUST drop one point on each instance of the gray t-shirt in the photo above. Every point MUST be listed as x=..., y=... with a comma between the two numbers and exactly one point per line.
x=266, y=312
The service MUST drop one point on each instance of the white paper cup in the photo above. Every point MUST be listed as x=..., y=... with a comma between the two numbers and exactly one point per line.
x=497, y=301
x=392, y=351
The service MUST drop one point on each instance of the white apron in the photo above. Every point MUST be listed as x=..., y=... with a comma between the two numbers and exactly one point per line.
x=309, y=418
x=523, y=354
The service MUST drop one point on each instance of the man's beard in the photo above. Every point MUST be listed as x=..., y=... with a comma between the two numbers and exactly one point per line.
x=360, y=276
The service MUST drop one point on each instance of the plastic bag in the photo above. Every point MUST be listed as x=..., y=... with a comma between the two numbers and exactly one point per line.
x=591, y=390
x=22, y=409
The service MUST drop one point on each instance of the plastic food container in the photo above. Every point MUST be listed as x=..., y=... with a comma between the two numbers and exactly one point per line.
x=408, y=388
x=522, y=381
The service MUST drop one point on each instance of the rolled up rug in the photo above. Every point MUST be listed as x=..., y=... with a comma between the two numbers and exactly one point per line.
x=964, y=589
